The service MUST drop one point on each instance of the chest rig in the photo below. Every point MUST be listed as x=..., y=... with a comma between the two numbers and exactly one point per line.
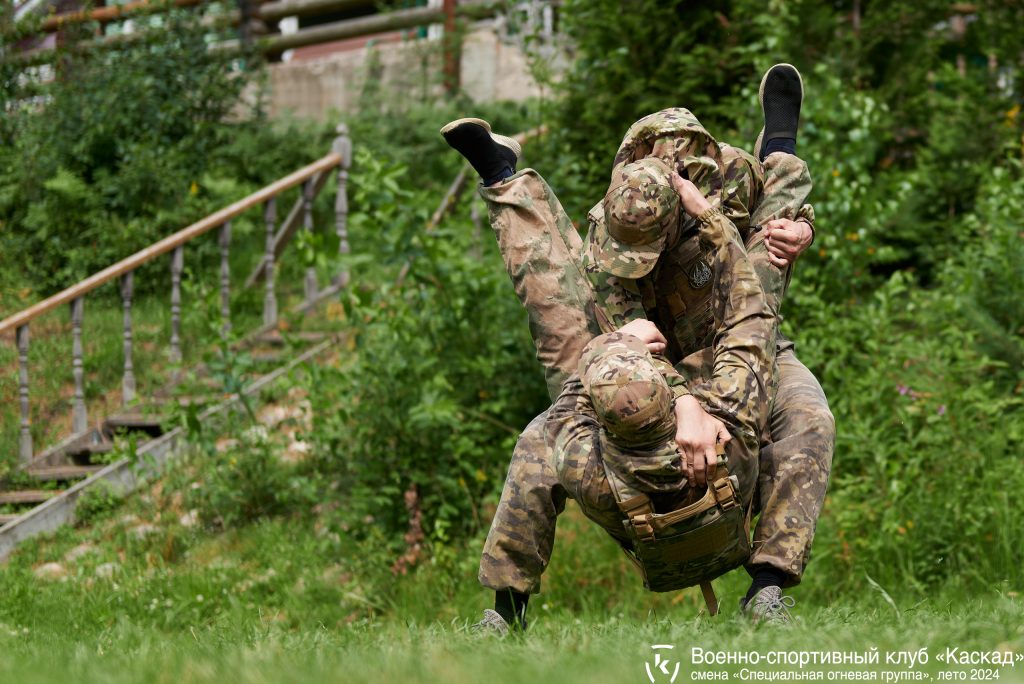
x=676, y=296
x=691, y=544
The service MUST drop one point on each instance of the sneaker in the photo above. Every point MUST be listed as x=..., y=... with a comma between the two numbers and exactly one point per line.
x=492, y=624
x=492, y=156
x=781, y=94
x=768, y=606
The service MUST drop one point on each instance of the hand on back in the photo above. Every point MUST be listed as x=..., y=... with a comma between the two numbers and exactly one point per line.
x=647, y=333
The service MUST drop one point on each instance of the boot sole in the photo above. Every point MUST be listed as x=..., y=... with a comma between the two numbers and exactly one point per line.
x=502, y=140
x=760, y=101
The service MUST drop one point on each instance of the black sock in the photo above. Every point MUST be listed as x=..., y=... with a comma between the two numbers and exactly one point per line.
x=500, y=176
x=765, y=576
x=787, y=145
x=511, y=606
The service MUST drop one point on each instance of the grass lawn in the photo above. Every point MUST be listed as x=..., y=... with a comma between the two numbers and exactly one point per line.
x=142, y=594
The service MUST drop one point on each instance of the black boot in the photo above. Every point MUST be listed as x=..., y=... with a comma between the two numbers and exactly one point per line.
x=781, y=94
x=492, y=156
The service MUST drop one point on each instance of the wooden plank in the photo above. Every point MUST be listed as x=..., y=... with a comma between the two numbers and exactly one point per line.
x=62, y=472
x=27, y=496
x=164, y=246
x=384, y=22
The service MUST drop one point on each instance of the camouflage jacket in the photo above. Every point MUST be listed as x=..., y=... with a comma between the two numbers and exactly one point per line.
x=676, y=295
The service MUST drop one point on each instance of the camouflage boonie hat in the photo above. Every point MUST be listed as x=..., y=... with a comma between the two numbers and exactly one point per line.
x=635, y=407
x=640, y=208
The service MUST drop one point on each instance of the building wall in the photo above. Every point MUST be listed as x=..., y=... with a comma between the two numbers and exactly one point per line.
x=311, y=86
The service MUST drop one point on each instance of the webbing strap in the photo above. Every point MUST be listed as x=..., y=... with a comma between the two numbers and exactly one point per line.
x=709, y=597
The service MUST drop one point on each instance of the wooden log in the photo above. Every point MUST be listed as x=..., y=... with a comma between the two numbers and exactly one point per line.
x=47, y=55
x=275, y=11
x=370, y=25
x=105, y=15
x=170, y=242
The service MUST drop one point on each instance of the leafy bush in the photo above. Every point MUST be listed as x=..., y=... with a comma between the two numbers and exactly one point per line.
x=113, y=156
x=441, y=376
x=96, y=502
x=248, y=481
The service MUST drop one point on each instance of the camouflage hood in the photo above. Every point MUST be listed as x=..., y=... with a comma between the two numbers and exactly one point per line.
x=676, y=137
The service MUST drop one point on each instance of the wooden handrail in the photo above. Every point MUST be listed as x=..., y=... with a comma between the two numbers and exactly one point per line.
x=111, y=13
x=164, y=246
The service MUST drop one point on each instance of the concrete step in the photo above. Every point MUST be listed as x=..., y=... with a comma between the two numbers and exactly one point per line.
x=62, y=472
x=135, y=422
x=28, y=496
x=276, y=339
x=267, y=357
x=8, y=517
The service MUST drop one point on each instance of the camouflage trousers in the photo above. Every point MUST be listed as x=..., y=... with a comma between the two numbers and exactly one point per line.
x=541, y=250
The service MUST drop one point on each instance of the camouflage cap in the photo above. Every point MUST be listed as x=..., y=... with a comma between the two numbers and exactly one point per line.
x=629, y=394
x=634, y=405
x=640, y=208
x=642, y=211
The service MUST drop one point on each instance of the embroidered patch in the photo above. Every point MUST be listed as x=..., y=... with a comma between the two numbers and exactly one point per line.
x=699, y=275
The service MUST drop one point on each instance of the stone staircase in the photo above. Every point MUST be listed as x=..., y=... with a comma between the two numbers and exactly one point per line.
x=41, y=493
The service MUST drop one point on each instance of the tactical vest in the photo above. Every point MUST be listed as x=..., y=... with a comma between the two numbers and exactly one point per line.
x=683, y=309
x=692, y=544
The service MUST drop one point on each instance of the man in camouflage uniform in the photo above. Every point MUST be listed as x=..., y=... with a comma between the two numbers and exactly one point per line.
x=612, y=429
x=557, y=277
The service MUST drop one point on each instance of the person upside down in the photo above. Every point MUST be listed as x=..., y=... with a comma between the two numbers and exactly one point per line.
x=614, y=428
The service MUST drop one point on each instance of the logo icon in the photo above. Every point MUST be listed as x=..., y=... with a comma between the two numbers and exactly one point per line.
x=660, y=670
x=699, y=275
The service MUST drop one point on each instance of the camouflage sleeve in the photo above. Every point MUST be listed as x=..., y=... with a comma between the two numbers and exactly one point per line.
x=738, y=392
x=675, y=380
x=620, y=301
x=618, y=298
x=806, y=214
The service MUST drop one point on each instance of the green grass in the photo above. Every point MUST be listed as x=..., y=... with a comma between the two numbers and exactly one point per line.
x=300, y=599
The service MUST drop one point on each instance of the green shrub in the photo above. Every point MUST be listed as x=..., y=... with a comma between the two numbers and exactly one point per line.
x=246, y=482
x=96, y=502
x=441, y=375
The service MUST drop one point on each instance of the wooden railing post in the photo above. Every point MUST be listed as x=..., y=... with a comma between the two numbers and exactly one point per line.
x=225, y=278
x=128, y=379
x=343, y=147
x=307, y=225
x=177, y=264
x=79, y=418
x=25, y=441
x=269, y=299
